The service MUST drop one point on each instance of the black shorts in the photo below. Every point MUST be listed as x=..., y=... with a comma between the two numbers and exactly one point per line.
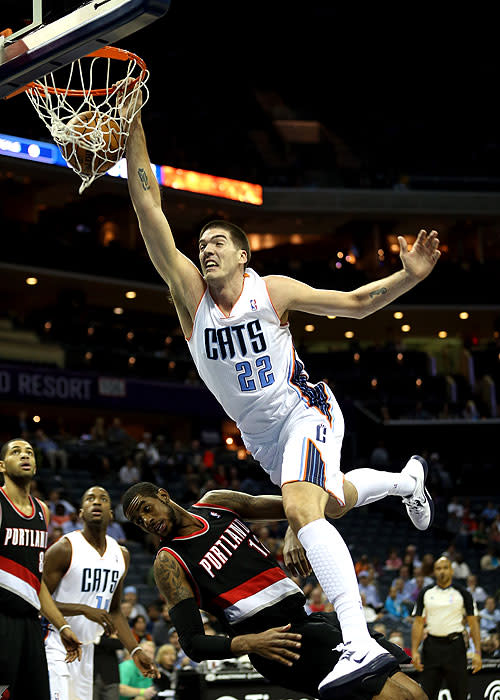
x=320, y=635
x=23, y=665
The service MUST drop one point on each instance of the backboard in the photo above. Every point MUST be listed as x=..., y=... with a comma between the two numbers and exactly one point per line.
x=41, y=47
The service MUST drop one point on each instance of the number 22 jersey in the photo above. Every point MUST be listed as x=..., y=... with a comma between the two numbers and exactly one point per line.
x=248, y=360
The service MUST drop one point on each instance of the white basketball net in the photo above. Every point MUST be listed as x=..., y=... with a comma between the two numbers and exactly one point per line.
x=58, y=108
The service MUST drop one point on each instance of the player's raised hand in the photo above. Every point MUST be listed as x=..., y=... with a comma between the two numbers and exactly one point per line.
x=420, y=260
x=294, y=555
x=145, y=665
x=72, y=645
x=128, y=100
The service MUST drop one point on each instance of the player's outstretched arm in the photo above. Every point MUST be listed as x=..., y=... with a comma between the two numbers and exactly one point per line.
x=182, y=276
x=288, y=294
x=123, y=629
x=248, y=507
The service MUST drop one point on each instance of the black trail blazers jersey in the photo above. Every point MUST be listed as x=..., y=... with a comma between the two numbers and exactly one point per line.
x=23, y=541
x=233, y=575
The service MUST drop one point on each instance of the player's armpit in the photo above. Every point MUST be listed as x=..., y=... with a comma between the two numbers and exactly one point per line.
x=171, y=579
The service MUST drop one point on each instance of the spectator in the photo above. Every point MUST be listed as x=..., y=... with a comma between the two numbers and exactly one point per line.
x=489, y=512
x=455, y=506
x=60, y=516
x=138, y=627
x=73, y=523
x=489, y=617
x=428, y=564
x=393, y=561
x=363, y=564
x=371, y=615
x=460, y=568
x=411, y=553
x=130, y=473
x=477, y=592
x=116, y=531
x=166, y=656
x=132, y=682
x=491, y=646
x=480, y=538
x=161, y=627
x=394, y=607
x=116, y=435
x=316, y=601
x=368, y=588
x=130, y=595
x=126, y=608
x=150, y=452
x=489, y=561
x=471, y=411
x=98, y=431
x=182, y=660
x=51, y=451
x=154, y=612
x=379, y=457
x=396, y=637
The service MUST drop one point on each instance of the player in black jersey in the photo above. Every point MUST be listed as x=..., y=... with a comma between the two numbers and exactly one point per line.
x=209, y=559
x=23, y=541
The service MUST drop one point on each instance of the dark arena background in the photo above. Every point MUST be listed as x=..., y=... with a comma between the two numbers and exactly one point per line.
x=324, y=132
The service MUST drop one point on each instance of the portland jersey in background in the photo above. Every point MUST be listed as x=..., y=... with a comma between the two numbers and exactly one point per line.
x=233, y=574
x=248, y=361
x=90, y=580
x=23, y=541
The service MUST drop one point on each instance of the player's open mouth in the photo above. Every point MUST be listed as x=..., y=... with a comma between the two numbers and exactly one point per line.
x=210, y=265
x=159, y=527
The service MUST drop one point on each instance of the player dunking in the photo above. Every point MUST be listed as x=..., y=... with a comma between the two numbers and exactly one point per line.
x=23, y=541
x=236, y=327
x=84, y=571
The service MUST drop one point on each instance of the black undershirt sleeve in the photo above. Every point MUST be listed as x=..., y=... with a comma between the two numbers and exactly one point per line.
x=197, y=645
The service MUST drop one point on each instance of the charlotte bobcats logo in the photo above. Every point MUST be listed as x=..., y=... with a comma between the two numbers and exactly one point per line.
x=253, y=305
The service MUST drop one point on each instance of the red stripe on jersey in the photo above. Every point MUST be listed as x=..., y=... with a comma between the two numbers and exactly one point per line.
x=250, y=587
x=215, y=507
x=194, y=534
x=23, y=515
x=20, y=572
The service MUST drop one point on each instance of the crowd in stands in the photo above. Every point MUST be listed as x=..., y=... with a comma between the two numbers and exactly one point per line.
x=389, y=580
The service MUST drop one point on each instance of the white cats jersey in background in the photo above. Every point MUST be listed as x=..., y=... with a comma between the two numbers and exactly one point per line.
x=248, y=361
x=90, y=580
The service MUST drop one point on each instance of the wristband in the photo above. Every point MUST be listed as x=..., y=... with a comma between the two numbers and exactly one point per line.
x=141, y=692
x=133, y=650
x=64, y=627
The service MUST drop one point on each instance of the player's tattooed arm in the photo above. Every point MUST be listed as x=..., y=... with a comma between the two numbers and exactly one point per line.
x=143, y=177
x=171, y=579
x=376, y=292
x=247, y=506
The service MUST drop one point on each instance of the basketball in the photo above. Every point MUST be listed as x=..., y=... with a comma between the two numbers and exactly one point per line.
x=86, y=129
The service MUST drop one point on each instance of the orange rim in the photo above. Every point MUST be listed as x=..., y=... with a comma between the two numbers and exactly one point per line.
x=104, y=52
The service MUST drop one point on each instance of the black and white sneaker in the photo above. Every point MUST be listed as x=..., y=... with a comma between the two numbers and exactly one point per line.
x=419, y=504
x=352, y=667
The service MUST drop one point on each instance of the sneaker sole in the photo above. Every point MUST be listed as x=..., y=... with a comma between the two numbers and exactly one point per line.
x=427, y=494
x=344, y=685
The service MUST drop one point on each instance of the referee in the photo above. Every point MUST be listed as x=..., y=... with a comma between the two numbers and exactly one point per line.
x=443, y=607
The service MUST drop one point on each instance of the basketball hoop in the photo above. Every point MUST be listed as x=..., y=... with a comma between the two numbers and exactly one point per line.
x=92, y=131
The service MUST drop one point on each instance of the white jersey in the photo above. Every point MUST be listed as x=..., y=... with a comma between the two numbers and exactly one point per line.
x=248, y=361
x=90, y=580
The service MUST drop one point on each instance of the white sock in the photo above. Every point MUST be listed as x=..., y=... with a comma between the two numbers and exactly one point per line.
x=333, y=567
x=373, y=485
